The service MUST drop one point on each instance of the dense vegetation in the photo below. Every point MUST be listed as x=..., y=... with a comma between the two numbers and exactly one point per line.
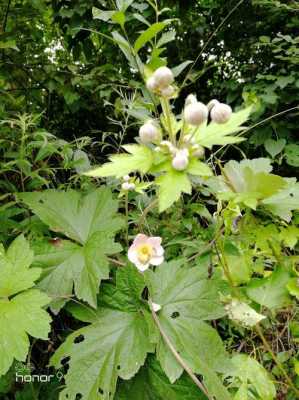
x=149, y=233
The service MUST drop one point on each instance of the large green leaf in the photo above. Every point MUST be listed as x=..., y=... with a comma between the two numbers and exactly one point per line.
x=114, y=345
x=140, y=159
x=171, y=185
x=271, y=291
x=91, y=221
x=15, y=275
x=285, y=201
x=187, y=300
x=249, y=374
x=21, y=312
x=74, y=214
x=221, y=134
x=248, y=182
x=152, y=384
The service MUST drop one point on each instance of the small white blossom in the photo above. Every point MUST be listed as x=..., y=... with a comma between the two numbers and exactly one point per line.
x=196, y=113
x=126, y=178
x=145, y=251
x=221, y=113
x=163, y=76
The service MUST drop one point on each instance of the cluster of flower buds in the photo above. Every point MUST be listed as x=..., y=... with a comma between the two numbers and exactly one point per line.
x=196, y=113
x=149, y=132
x=160, y=82
x=128, y=183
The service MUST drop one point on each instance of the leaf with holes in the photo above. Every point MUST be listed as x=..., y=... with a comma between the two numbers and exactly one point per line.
x=91, y=221
x=187, y=300
x=21, y=308
x=114, y=345
x=152, y=384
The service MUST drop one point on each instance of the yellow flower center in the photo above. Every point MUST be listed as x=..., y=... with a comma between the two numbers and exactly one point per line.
x=144, y=252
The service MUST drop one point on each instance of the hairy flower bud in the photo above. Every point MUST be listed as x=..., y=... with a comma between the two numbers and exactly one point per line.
x=180, y=161
x=152, y=84
x=198, y=151
x=190, y=99
x=163, y=76
x=167, y=92
x=212, y=104
x=148, y=132
x=196, y=113
x=128, y=186
x=221, y=113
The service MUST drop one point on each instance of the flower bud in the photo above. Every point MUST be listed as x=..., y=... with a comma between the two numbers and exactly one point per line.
x=152, y=84
x=126, y=178
x=148, y=132
x=167, y=92
x=196, y=113
x=189, y=139
x=180, y=161
x=170, y=147
x=212, y=103
x=190, y=99
x=163, y=76
x=198, y=151
x=221, y=113
x=128, y=186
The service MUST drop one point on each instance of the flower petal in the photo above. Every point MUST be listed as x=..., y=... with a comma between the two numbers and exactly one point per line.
x=156, y=260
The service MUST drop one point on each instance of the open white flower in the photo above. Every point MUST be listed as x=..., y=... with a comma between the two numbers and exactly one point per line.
x=145, y=251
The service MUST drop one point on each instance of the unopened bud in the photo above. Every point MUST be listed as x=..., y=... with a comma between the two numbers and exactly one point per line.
x=126, y=178
x=190, y=99
x=198, y=151
x=148, y=132
x=180, y=161
x=163, y=76
x=221, y=113
x=167, y=92
x=128, y=186
x=196, y=113
x=152, y=84
x=212, y=103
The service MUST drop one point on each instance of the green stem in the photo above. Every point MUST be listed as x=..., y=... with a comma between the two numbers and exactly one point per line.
x=127, y=217
x=167, y=114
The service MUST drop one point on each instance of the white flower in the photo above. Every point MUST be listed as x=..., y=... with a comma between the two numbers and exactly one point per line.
x=145, y=251
x=156, y=307
x=167, y=92
x=181, y=160
x=190, y=99
x=221, y=113
x=148, y=132
x=196, y=113
x=163, y=77
x=152, y=84
x=128, y=186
